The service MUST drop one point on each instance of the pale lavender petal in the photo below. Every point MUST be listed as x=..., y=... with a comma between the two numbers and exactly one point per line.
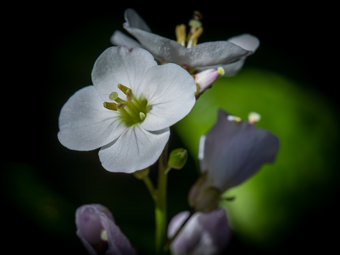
x=135, y=20
x=236, y=150
x=204, y=54
x=246, y=41
x=120, y=65
x=120, y=39
x=94, y=219
x=84, y=123
x=204, y=233
x=134, y=150
x=170, y=91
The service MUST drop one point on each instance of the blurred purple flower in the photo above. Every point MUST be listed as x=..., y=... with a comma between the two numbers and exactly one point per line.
x=203, y=234
x=99, y=233
x=231, y=152
x=229, y=54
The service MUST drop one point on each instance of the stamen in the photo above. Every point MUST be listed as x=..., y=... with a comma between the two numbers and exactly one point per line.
x=181, y=34
x=193, y=38
x=131, y=111
x=111, y=106
x=220, y=70
x=195, y=32
x=234, y=118
x=127, y=91
x=142, y=116
x=103, y=235
x=253, y=117
x=113, y=95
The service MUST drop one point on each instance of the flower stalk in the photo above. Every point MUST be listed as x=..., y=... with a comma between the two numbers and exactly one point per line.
x=160, y=202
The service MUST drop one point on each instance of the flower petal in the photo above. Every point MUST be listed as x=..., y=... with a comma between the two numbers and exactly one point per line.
x=204, y=54
x=246, y=41
x=120, y=65
x=204, y=233
x=171, y=92
x=214, y=53
x=134, y=150
x=120, y=39
x=135, y=20
x=229, y=68
x=91, y=221
x=84, y=124
x=236, y=150
x=163, y=49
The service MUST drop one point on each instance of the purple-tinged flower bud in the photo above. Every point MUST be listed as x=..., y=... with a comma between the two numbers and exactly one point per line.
x=204, y=233
x=231, y=152
x=99, y=233
x=205, y=79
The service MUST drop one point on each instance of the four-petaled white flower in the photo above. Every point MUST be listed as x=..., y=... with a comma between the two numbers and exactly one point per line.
x=128, y=110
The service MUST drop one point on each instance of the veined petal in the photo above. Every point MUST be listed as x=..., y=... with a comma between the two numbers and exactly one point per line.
x=204, y=54
x=84, y=124
x=99, y=233
x=135, y=20
x=246, y=41
x=120, y=65
x=134, y=150
x=120, y=39
x=234, y=151
x=204, y=233
x=163, y=49
x=214, y=53
x=170, y=91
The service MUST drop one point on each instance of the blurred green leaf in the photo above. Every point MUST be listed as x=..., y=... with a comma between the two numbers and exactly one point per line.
x=37, y=201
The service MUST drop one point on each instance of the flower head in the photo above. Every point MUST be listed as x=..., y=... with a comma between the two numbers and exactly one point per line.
x=231, y=152
x=229, y=54
x=204, y=233
x=128, y=110
x=99, y=233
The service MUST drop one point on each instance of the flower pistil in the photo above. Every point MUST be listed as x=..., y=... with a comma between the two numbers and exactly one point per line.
x=133, y=110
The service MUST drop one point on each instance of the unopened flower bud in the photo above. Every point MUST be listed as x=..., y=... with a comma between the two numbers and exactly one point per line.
x=178, y=158
x=205, y=79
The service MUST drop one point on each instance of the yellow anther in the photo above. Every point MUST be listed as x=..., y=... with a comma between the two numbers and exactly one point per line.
x=195, y=24
x=103, y=235
x=253, y=117
x=132, y=110
x=181, y=34
x=142, y=116
x=193, y=37
x=220, y=70
x=113, y=95
x=127, y=91
x=111, y=106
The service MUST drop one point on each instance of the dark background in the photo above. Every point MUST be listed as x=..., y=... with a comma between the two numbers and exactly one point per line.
x=41, y=72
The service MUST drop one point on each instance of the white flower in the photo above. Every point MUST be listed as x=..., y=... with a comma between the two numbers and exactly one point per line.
x=128, y=110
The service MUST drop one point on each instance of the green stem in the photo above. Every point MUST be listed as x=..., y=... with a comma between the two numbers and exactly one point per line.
x=161, y=203
x=150, y=187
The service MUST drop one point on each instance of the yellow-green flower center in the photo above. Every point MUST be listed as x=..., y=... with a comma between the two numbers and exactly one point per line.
x=133, y=110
